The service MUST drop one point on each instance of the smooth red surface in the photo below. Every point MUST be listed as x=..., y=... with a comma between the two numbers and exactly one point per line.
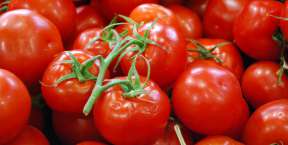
x=218, y=140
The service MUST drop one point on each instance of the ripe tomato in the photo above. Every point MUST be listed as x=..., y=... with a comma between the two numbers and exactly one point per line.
x=90, y=143
x=268, y=124
x=74, y=128
x=225, y=51
x=171, y=49
x=284, y=23
x=207, y=98
x=190, y=22
x=61, y=12
x=30, y=136
x=219, y=17
x=260, y=83
x=254, y=29
x=70, y=95
x=14, y=107
x=218, y=140
x=132, y=121
x=198, y=6
x=88, y=17
x=28, y=53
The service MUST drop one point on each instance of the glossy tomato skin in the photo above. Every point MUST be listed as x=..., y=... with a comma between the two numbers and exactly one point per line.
x=207, y=98
x=30, y=136
x=284, y=23
x=28, y=53
x=169, y=55
x=70, y=95
x=190, y=22
x=74, y=128
x=219, y=17
x=13, y=97
x=267, y=124
x=88, y=17
x=218, y=140
x=60, y=12
x=254, y=28
x=260, y=83
x=132, y=121
x=90, y=143
x=226, y=51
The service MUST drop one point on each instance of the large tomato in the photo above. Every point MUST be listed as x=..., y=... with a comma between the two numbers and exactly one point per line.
x=207, y=98
x=218, y=140
x=14, y=107
x=224, y=50
x=254, y=29
x=260, y=83
x=27, y=53
x=61, y=12
x=70, y=95
x=220, y=16
x=132, y=121
x=268, y=125
x=30, y=136
x=74, y=128
x=90, y=143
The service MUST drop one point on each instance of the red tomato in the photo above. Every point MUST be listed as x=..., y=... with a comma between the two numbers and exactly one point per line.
x=88, y=17
x=268, y=124
x=169, y=2
x=225, y=51
x=132, y=121
x=260, y=84
x=90, y=143
x=220, y=16
x=28, y=53
x=70, y=95
x=36, y=118
x=74, y=128
x=207, y=98
x=14, y=107
x=61, y=12
x=254, y=28
x=218, y=140
x=30, y=136
x=190, y=22
x=198, y=6
x=167, y=60
x=284, y=23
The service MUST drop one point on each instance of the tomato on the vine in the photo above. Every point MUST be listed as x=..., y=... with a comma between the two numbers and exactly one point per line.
x=218, y=140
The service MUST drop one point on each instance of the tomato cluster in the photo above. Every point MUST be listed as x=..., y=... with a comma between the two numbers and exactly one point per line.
x=143, y=72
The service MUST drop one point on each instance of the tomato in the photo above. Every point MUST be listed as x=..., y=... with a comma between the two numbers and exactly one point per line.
x=28, y=53
x=219, y=17
x=268, y=124
x=90, y=143
x=172, y=50
x=61, y=12
x=254, y=29
x=132, y=121
x=88, y=17
x=225, y=51
x=169, y=2
x=190, y=22
x=198, y=6
x=30, y=136
x=74, y=128
x=218, y=140
x=207, y=98
x=260, y=83
x=71, y=94
x=37, y=118
x=284, y=23
x=13, y=97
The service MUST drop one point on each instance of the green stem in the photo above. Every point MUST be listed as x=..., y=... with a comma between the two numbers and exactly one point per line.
x=179, y=134
x=4, y=9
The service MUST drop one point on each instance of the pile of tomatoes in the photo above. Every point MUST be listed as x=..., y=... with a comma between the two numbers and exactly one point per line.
x=143, y=72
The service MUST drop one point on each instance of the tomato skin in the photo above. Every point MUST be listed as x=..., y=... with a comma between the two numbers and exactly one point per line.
x=218, y=140
x=196, y=100
x=267, y=124
x=90, y=143
x=70, y=95
x=144, y=117
x=190, y=22
x=88, y=17
x=16, y=48
x=73, y=128
x=284, y=23
x=172, y=50
x=260, y=83
x=254, y=28
x=219, y=17
x=13, y=97
x=30, y=136
x=61, y=12
x=228, y=53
